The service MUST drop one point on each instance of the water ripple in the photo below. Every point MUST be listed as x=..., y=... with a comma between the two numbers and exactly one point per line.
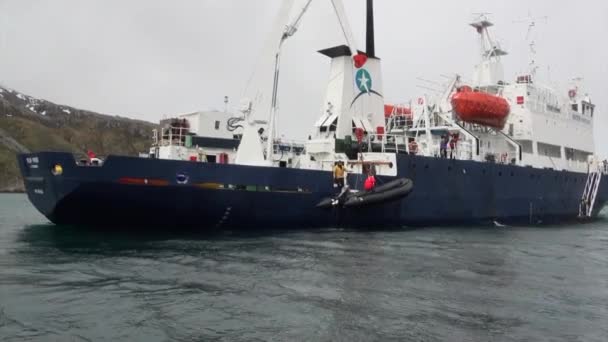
x=432, y=284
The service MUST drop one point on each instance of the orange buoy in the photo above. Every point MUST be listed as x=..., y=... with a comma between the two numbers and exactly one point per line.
x=480, y=108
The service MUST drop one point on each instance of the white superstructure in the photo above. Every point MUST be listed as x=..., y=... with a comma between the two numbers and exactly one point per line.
x=545, y=128
x=554, y=129
x=214, y=137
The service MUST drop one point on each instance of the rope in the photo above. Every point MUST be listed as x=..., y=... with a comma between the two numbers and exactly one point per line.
x=232, y=123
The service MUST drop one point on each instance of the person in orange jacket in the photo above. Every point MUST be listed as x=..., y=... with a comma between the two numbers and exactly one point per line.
x=370, y=182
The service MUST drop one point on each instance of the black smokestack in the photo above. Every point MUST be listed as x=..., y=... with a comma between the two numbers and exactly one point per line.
x=370, y=43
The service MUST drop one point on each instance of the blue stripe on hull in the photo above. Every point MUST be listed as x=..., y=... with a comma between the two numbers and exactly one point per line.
x=445, y=192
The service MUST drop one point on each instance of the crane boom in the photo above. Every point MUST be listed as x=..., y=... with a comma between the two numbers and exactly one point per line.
x=358, y=58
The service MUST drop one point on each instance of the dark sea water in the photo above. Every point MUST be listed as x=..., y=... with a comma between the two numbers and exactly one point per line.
x=431, y=284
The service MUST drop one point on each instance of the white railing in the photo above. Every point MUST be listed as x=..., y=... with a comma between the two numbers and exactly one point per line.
x=172, y=139
x=397, y=144
x=279, y=144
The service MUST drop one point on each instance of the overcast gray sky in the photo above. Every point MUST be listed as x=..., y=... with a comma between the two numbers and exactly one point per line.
x=149, y=58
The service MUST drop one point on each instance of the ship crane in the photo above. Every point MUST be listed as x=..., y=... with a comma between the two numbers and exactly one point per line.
x=358, y=60
x=254, y=156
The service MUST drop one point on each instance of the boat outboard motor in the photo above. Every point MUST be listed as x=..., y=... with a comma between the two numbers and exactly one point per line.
x=331, y=202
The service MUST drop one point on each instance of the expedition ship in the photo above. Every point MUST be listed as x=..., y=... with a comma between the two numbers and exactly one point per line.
x=518, y=153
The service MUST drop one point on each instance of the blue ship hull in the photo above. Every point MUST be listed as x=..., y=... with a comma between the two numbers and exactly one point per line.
x=144, y=192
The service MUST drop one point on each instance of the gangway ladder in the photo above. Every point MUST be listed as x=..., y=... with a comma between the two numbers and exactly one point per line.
x=589, y=195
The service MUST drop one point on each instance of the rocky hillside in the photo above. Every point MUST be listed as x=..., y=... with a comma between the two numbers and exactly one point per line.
x=30, y=124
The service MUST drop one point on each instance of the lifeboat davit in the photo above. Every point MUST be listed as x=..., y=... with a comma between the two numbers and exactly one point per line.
x=480, y=108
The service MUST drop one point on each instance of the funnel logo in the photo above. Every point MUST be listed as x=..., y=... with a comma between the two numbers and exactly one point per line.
x=363, y=80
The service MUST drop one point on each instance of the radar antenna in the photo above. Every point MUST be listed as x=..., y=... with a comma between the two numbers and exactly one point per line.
x=489, y=72
x=490, y=49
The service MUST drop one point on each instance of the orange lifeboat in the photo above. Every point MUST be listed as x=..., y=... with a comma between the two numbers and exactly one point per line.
x=480, y=108
x=390, y=109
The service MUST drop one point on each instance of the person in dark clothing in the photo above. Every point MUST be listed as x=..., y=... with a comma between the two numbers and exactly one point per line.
x=443, y=146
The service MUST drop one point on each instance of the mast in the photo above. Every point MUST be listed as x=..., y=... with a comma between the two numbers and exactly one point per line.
x=370, y=38
x=489, y=72
x=531, y=21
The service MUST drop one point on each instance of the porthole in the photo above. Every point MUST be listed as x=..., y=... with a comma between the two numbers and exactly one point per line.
x=426, y=166
x=449, y=168
x=512, y=174
x=500, y=174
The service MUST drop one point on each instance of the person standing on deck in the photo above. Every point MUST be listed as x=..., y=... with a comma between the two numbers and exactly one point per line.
x=453, y=144
x=443, y=146
x=339, y=174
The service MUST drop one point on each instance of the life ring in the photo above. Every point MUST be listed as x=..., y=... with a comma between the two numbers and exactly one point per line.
x=572, y=93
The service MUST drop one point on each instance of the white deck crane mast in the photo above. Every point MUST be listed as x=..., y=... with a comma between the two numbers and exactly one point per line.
x=249, y=155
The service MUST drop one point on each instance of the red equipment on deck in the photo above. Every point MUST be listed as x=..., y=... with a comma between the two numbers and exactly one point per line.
x=390, y=109
x=480, y=108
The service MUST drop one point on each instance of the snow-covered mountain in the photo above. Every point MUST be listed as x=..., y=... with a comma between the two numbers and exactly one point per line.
x=31, y=124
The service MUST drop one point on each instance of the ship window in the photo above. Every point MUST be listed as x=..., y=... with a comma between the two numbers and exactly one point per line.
x=500, y=174
x=548, y=150
x=426, y=166
x=449, y=168
x=575, y=107
x=512, y=174
x=526, y=145
x=333, y=126
x=217, y=124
